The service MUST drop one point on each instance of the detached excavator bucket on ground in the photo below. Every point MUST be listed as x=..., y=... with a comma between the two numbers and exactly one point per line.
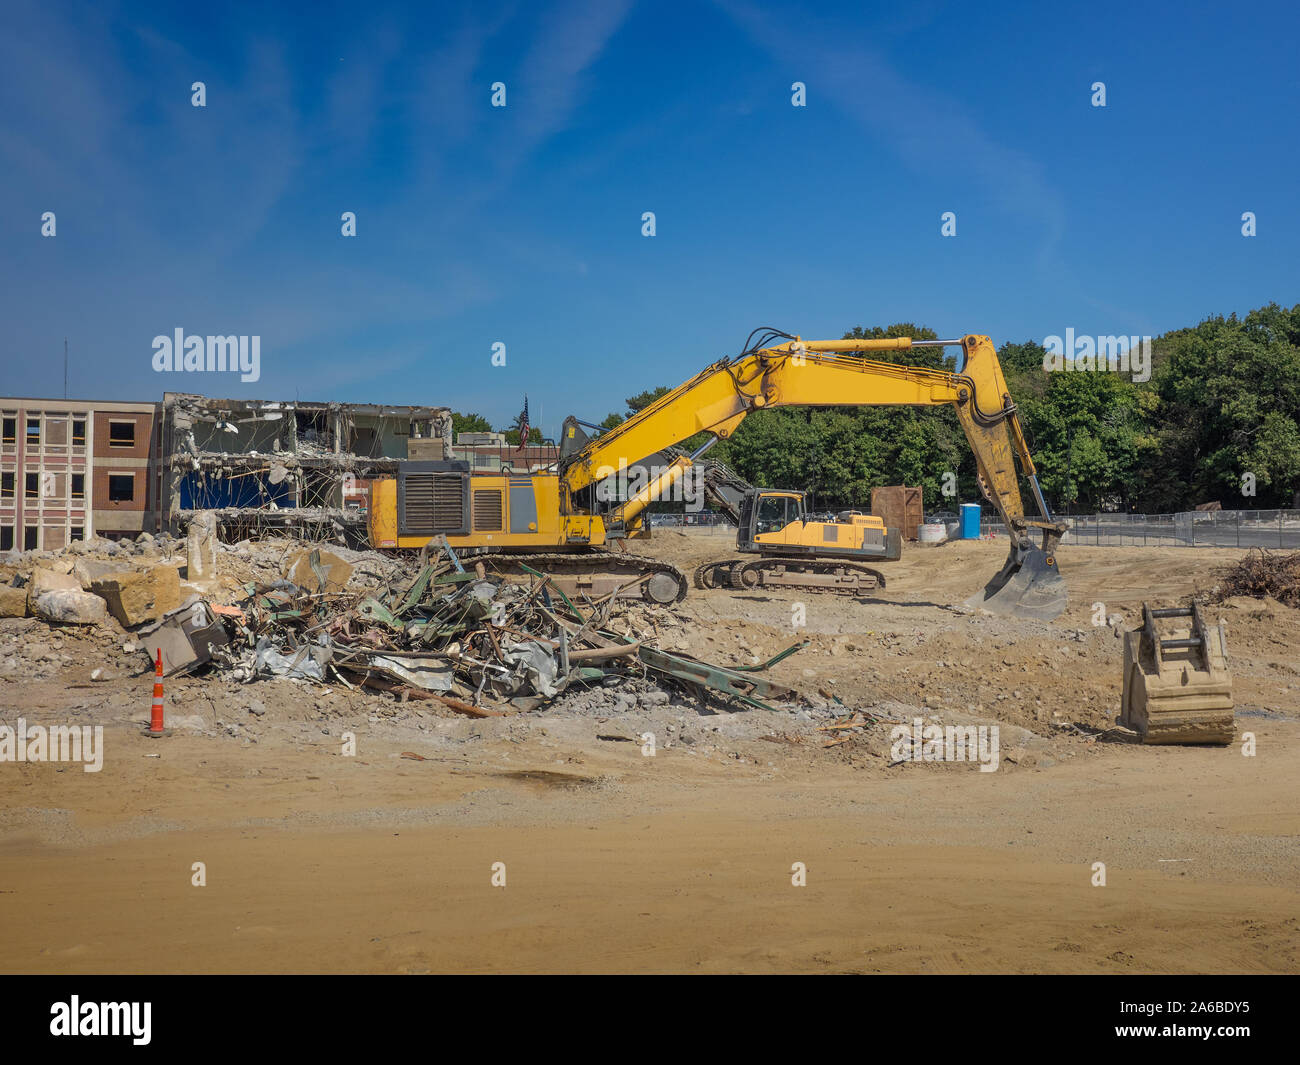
x=1177, y=687
x=1029, y=585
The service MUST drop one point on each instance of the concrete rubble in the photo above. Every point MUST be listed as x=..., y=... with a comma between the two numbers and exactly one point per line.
x=337, y=571
x=476, y=644
x=13, y=602
x=135, y=597
x=425, y=630
x=69, y=606
x=201, y=547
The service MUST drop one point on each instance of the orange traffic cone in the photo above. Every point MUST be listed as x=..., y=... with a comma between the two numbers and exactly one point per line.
x=156, y=728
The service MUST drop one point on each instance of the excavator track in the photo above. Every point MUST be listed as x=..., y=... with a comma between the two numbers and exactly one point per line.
x=838, y=576
x=710, y=575
x=591, y=573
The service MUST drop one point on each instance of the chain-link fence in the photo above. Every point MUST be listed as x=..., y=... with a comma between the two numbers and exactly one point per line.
x=1278, y=529
x=705, y=521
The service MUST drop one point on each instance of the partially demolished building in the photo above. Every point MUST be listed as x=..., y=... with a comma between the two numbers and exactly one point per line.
x=297, y=467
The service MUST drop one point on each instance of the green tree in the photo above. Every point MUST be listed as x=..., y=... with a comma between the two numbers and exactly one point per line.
x=469, y=423
x=641, y=400
x=1088, y=439
x=1229, y=393
x=1223, y=401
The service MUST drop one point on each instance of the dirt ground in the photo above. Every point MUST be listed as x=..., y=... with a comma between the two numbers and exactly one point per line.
x=615, y=861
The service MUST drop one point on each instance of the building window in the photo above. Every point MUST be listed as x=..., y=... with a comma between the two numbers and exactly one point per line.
x=32, y=487
x=78, y=486
x=10, y=430
x=33, y=432
x=6, y=537
x=78, y=432
x=77, y=533
x=29, y=538
x=121, y=487
x=121, y=434
x=6, y=486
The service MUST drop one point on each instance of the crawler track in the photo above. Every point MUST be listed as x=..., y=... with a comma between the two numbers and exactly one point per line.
x=817, y=575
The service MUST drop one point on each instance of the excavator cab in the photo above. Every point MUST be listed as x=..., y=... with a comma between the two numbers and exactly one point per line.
x=763, y=513
x=773, y=511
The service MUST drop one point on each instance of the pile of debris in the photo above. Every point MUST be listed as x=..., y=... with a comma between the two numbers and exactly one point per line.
x=419, y=628
x=473, y=642
x=88, y=581
x=1261, y=575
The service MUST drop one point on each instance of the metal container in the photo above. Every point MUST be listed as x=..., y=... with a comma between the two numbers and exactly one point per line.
x=934, y=533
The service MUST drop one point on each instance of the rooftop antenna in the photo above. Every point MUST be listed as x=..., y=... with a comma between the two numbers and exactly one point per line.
x=65, y=367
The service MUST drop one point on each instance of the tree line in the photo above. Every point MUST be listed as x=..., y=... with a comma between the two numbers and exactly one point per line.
x=1218, y=421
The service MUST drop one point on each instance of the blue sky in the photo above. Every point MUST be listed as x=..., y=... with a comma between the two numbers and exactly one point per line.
x=523, y=224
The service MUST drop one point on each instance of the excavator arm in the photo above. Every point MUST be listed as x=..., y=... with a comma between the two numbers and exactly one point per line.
x=831, y=373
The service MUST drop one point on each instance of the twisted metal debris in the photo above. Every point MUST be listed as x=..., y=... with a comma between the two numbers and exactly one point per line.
x=471, y=641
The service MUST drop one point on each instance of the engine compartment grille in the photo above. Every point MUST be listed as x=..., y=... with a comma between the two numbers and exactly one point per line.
x=488, y=516
x=434, y=503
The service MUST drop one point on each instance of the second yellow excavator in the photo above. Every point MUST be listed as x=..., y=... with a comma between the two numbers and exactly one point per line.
x=556, y=519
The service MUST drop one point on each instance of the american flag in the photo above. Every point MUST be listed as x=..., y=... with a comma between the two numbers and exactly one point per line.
x=523, y=426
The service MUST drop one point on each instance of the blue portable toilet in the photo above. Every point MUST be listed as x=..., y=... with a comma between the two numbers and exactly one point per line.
x=970, y=521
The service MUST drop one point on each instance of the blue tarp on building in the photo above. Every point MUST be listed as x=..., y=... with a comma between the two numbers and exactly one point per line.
x=247, y=491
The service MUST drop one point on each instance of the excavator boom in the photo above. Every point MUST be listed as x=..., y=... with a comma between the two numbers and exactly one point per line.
x=839, y=373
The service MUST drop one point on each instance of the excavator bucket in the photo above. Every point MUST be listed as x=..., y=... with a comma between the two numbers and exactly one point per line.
x=1177, y=688
x=1029, y=585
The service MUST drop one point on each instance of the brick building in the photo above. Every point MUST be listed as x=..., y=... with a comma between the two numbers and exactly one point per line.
x=70, y=469
x=489, y=452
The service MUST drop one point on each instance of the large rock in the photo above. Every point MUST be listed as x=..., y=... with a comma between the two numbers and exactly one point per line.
x=47, y=580
x=89, y=570
x=13, y=602
x=336, y=570
x=137, y=596
x=70, y=606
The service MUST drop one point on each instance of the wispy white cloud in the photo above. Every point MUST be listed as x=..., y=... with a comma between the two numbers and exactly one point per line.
x=924, y=127
x=569, y=39
x=171, y=215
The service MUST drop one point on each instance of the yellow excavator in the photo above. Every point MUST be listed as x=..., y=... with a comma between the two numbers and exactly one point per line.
x=795, y=552
x=554, y=519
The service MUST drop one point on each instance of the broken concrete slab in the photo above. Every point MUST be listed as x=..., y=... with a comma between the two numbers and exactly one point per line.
x=201, y=547
x=70, y=606
x=337, y=571
x=136, y=596
x=13, y=602
x=89, y=570
x=48, y=580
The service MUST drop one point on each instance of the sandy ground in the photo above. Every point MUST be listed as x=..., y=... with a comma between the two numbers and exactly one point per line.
x=317, y=861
